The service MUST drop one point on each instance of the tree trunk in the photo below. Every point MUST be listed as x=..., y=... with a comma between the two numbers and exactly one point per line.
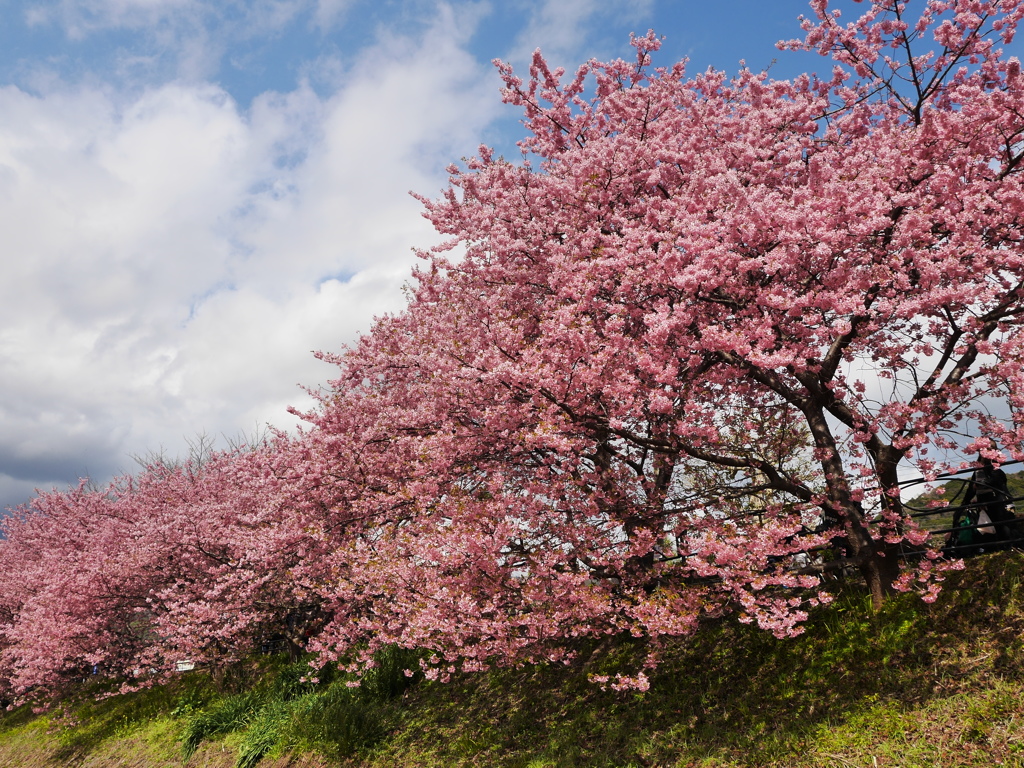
x=878, y=563
x=880, y=570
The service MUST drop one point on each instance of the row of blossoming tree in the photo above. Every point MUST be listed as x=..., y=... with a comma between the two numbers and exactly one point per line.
x=698, y=330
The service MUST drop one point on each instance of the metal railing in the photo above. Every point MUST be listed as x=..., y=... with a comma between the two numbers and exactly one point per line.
x=1007, y=532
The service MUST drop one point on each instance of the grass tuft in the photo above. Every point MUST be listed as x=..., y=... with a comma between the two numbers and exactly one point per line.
x=262, y=734
x=226, y=716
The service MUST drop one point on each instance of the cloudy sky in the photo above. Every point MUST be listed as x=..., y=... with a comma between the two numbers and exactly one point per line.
x=195, y=194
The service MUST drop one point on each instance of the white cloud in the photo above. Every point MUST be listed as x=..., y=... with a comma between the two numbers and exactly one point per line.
x=171, y=261
x=564, y=29
x=404, y=115
x=329, y=12
x=79, y=17
x=186, y=38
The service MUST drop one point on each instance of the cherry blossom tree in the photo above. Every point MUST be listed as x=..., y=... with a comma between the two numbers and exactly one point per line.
x=699, y=328
x=192, y=561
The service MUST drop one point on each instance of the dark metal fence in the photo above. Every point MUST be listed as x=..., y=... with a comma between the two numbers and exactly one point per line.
x=951, y=520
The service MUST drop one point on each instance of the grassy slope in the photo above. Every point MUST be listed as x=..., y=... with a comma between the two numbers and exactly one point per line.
x=915, y=685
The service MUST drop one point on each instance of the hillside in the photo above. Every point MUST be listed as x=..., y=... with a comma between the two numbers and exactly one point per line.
x=915, y=685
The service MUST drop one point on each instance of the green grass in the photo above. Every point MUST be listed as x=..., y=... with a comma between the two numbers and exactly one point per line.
x=911, y=685
x=282, y=711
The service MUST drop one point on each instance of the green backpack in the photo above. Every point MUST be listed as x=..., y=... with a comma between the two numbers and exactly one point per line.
x=966, y=532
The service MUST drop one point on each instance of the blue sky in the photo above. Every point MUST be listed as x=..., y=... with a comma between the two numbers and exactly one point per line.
x=194, y=195
x=249, y=48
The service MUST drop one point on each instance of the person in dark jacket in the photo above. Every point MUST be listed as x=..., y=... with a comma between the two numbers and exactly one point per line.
x=987, y=490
